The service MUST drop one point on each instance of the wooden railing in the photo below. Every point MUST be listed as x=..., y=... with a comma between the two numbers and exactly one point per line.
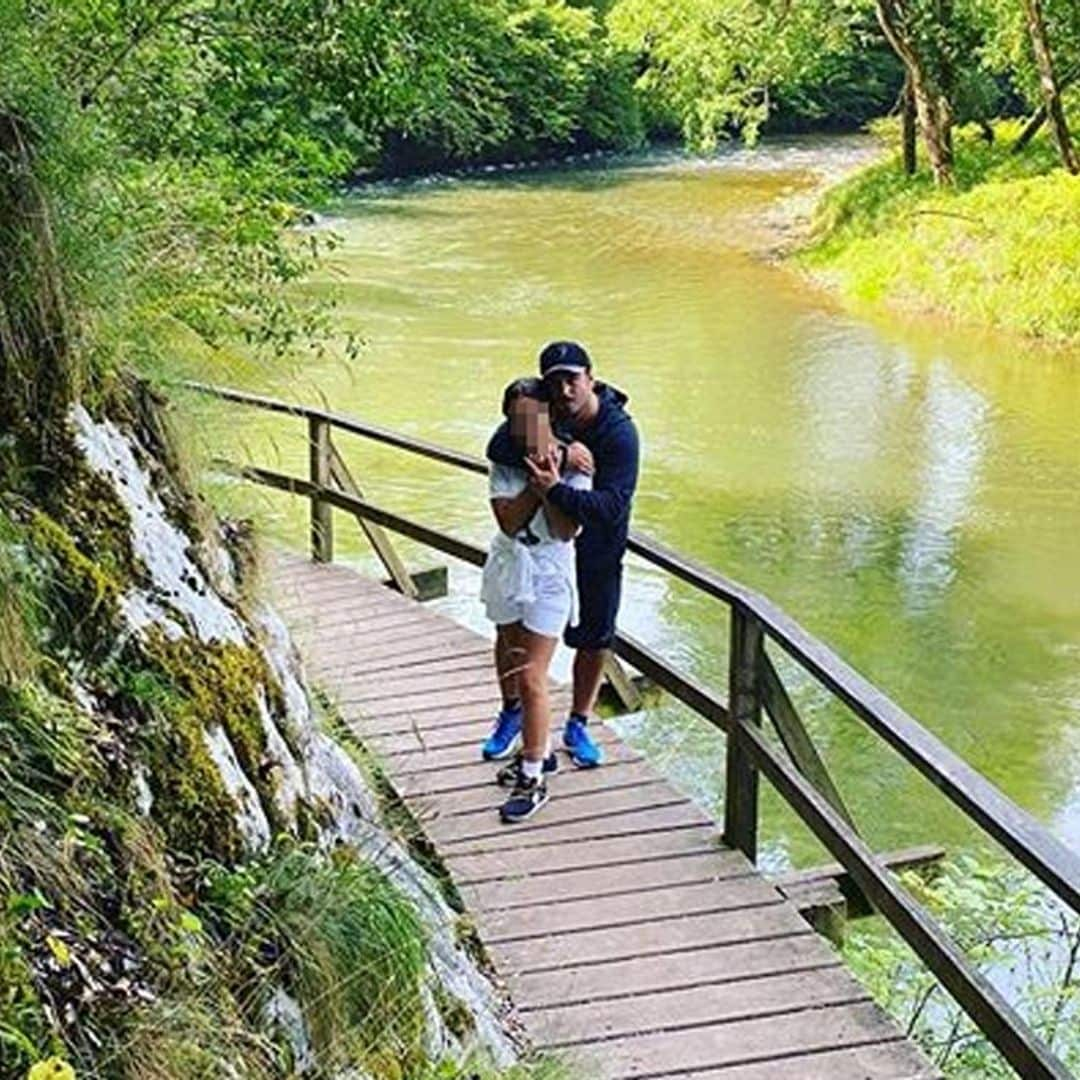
x=754, y=691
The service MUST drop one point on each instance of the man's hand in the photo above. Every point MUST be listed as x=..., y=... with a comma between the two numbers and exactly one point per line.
x=543, y=474
x=579, y=458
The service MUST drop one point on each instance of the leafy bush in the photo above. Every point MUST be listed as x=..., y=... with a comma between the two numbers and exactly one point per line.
x=1012, y=930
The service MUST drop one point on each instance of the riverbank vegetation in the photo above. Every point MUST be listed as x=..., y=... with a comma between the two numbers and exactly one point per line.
x=964, y=249
x=1013, y=930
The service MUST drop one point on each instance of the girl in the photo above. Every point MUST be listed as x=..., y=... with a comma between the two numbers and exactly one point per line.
x=530, y=594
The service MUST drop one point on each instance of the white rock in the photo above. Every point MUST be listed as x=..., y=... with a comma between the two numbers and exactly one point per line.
x=250, y=817
x=282, y=1013
x=177, y=581
x=288, y=782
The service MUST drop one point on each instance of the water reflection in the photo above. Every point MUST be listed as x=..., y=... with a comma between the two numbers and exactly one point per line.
x=908, y=492
x=954, y=431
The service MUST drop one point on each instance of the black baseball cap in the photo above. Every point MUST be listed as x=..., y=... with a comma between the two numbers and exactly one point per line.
x=561, y=356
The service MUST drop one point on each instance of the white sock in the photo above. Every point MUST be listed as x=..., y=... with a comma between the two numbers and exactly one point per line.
x=532, y=770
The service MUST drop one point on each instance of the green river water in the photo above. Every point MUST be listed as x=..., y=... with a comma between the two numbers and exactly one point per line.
x=907, y=491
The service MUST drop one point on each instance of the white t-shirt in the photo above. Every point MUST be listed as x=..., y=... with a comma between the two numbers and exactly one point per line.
x=509, y=481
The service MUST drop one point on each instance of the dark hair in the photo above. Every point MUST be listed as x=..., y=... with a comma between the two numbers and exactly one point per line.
x=527, y=387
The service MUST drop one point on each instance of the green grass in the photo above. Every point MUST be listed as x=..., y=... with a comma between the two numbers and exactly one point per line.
x=1000, y=249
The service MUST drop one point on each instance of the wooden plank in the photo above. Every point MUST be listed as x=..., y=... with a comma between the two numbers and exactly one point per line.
x=380, y=541
x=306, y=594
x=431, y=720
x=603, y=882
x=400, y=662
x=568, y=784
x=705, y=966
x=744, y=698
x=659, y=937
x=477, y=671
x=425, y=785
x=561, y=1026
x=430, y=584
x=679, y=815
x=322, y=530
x=376, y=652
x=589, y=808
x=627, y=694
x=425, y=675
x=796, y=739
x=737, y=1043
x=894, y=1060
x=360, y=621
x=623, y=909
x=800, y=885
x=474, y=867
x=445, y=701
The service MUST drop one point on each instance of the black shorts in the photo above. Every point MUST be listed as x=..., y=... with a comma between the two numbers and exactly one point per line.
x=599, y=591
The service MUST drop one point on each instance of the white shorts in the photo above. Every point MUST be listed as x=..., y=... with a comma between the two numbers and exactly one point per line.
x=547, y=613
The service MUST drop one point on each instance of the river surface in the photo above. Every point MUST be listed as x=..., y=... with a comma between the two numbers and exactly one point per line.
x=908, y=491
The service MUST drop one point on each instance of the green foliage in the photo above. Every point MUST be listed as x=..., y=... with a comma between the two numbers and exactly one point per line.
x=344, y=941
x=712, y=68
x=1011, y=929
x=1006, y=50
x=966, y=252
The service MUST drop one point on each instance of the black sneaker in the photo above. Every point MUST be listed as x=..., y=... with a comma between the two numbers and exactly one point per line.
x=509, y=775
x=526, y=798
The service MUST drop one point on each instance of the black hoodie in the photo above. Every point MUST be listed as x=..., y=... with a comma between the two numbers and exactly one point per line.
x=604, y=512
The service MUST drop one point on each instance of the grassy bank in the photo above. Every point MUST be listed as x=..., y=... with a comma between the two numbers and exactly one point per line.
x=1000, y=249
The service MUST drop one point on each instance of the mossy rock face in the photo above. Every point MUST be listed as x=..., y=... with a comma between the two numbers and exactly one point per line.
x=84, y=597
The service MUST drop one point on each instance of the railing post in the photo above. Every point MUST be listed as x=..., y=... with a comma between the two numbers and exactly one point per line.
x=319, y=456
x=744, y=706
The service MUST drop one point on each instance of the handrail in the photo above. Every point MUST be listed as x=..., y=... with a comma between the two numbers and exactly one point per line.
x=755, y=618
x=1014, y=828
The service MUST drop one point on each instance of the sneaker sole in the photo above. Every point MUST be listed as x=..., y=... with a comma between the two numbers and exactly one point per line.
x=524, y=817
x=510, y=749
x=585, y=764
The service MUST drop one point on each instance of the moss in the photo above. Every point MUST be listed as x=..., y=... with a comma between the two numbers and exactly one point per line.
x=220, y=682
x=19, y=606
x=455, y=1013
x=189, y=686
x=191, y=803
x=25, y=1036
x=86, y=598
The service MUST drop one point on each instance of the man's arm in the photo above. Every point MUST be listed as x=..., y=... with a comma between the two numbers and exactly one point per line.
x=615, y=481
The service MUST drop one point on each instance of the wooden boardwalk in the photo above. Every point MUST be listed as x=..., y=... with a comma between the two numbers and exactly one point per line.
x=631, y=940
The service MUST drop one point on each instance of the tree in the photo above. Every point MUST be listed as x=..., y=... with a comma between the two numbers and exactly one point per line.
x=910, y=30
x=1048, y=81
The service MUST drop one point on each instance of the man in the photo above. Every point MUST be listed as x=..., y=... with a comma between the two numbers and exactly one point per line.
x=605, y=441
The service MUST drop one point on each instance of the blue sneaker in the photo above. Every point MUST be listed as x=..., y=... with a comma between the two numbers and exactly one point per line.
x=505, y=736
x=584, y=751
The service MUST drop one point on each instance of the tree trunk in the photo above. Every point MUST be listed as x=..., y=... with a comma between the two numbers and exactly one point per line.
x=1048, y=81
x=907, y=127
x=1038, y=117
x=931, y=103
